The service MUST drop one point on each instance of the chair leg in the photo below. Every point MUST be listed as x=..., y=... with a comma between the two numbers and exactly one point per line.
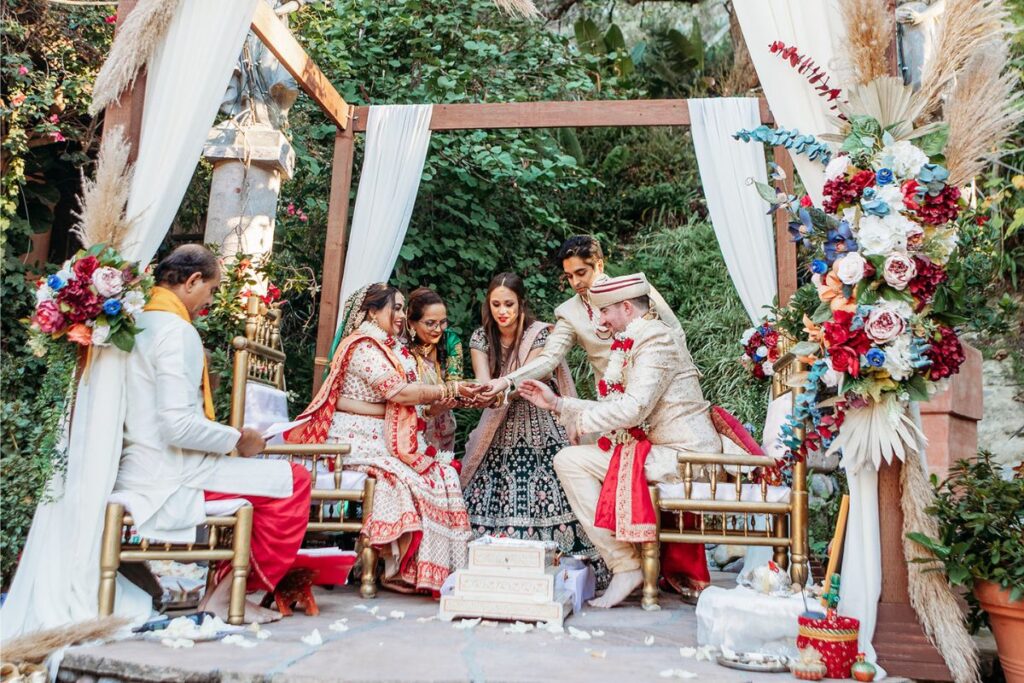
x=780, y=529
x=368, y=584
x=241, y=546
x=110, y=557
x=650, y=561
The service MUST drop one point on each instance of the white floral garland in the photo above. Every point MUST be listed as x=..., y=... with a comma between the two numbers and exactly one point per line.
x=408, y=361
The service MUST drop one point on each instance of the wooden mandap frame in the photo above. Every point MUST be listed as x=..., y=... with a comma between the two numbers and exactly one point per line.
x=899, y=639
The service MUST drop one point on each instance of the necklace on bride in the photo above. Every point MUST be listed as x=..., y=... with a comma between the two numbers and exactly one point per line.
x=371, y=329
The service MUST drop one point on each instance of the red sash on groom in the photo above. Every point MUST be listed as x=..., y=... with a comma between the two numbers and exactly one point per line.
x=624, y=505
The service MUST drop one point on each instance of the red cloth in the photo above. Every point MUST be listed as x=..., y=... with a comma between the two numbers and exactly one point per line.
x=624, y=505
x=278, y=525
x=685, y=564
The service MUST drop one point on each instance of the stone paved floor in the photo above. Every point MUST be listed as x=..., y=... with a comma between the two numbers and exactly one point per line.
x=407, y=650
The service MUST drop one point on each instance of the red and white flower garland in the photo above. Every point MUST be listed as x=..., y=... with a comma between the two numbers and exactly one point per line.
x=614, y=384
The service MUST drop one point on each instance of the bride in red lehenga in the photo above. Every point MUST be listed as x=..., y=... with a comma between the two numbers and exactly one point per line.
x=372, y=400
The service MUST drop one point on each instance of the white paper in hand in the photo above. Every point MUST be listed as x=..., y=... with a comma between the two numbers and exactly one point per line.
x=272, y=434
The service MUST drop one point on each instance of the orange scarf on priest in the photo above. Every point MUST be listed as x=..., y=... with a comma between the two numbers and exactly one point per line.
x=163, y=299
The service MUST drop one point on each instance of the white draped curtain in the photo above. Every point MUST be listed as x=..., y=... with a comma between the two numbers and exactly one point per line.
x=397, y=138
x=738, y=214
x=816, y=29
x=58, y=576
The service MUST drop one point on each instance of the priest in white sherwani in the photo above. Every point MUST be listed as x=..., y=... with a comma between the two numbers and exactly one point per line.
x=175, y=454
x=651, y=409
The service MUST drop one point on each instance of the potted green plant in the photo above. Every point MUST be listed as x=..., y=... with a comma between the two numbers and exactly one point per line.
x=980, y=512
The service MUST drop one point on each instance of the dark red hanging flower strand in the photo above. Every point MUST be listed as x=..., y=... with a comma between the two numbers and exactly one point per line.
x=814, y=74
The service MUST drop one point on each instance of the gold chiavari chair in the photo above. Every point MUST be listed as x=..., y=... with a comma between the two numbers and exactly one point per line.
x=714, y=491
x=259, y=363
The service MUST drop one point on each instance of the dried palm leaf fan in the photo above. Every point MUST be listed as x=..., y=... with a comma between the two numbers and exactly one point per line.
x=887, y=100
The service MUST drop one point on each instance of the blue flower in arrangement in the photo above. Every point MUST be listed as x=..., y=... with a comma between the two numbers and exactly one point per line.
x=803, y=230
x=875, y=357
x=883, y=176
x=871, y=204
x=111, y=306
x=933, y=177
x=819, y=267
x=840, y=241
x=55, y=282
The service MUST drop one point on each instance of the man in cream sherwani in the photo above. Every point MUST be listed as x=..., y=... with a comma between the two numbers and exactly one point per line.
x=174, y=454
x=661, y=392
x=577, y=321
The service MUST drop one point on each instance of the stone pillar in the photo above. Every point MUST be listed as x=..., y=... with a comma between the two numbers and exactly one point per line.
x=950, y=419
x=249, y=163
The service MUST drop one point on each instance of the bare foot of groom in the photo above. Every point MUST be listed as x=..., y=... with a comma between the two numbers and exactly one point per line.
x=622, y=584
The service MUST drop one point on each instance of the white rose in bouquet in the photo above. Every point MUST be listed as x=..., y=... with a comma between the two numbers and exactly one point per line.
x=881, y=236
x=902, y=158
x=101, y=335
x=897, y=358
x=850, y=268
x=892, y=195
x=132, y=302
x=836, y=167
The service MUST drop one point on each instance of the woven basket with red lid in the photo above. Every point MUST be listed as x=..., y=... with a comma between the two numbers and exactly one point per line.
x=834, y=637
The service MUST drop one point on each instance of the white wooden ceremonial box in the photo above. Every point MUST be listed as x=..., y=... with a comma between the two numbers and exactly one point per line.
x=508, y=579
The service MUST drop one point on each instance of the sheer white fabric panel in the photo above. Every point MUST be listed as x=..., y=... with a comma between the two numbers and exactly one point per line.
x=816, y=29
x=57, y=579
x=397, y=138
x=743, y=229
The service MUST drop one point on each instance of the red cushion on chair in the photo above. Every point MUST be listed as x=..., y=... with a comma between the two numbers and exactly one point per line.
x=727, y=425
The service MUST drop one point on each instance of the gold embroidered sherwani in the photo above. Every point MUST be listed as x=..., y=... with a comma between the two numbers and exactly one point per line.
x=662, y=391
x=576, y=324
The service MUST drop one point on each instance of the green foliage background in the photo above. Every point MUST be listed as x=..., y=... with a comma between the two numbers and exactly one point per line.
x=489, y=200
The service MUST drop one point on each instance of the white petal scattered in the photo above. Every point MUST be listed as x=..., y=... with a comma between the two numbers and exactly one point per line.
x=649, y=640
x=466, y=623
x=596, y=654
x=373, y=610
x=313, y=638
x=677, y=673
x=177, y=643
x=597, y=634
x=395, y=614
x=360, y=607
x=239, y=640
x=488, y=624
x=423, y=620
x=380, y=617
x=340, y=626
x=258, y=631
x=578, y=634
x=552, y=627
x=519, y=627
x=728, y=652
x=687, y=651
x=707, y=652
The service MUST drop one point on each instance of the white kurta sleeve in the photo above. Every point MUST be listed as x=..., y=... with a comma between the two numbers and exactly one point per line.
x=560, y=341
x=655, y=363
x=178, y=361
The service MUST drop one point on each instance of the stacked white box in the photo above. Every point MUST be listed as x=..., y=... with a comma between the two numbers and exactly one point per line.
x=508, y=579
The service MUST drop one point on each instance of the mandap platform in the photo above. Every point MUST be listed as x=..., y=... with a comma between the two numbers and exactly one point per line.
x=405, y=649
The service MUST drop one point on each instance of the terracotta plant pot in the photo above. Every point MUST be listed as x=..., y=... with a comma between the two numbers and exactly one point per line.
x=1007, y=619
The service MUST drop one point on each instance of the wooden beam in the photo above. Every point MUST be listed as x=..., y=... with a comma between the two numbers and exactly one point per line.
x=126, y=112
x=334, y=250
x=590, y=114
x=785, y=248
x=280, y=41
